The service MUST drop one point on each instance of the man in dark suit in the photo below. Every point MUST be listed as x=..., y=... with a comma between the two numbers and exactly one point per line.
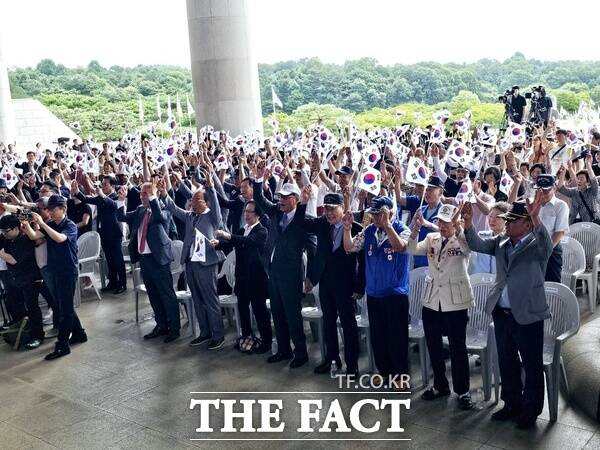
x=111, y=234
x=517, y=302
x=286, y=243
x=336, y=274
x=150, y=245
x=251, y=281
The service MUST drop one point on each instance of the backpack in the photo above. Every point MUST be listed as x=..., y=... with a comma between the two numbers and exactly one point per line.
x=18, y=334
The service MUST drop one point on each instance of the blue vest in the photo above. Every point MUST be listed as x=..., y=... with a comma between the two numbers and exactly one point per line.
x=386, y=270
x=421, y=260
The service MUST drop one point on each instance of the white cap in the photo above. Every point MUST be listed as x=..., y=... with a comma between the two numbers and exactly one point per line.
x=289, y=189
x=446, y=213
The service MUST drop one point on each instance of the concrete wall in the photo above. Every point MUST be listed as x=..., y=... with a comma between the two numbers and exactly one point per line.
x=224, y=71
x=35, y=123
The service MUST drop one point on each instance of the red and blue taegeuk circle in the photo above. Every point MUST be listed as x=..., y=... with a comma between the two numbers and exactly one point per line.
x=369, y=178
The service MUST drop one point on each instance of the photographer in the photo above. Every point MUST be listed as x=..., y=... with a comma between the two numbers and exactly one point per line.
x=517, y=105
x=61, y=236
x=18, y=251
x=541, y=105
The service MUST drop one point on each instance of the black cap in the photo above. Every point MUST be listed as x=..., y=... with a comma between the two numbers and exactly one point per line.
x=56, y=200
x=518, y=210
x=544, y=181
x=8, y=222
x=344, y=170
x=380, y=202
x=3, y=183
x=435, y=182
x=333, y=200
x=515, y=87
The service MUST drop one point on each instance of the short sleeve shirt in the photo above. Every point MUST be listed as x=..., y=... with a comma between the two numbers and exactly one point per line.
x=62, y=257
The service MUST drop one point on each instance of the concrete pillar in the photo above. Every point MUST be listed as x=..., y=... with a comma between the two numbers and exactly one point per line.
x=8, y=132
x=224, y=71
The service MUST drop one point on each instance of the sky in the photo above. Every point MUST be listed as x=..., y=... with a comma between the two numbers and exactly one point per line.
x=131, y=32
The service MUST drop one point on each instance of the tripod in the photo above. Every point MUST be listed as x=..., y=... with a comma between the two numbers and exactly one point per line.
x=534, y=115
x=504, y=122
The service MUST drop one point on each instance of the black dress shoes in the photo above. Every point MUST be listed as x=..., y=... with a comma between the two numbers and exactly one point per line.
x=57, y=353
x=526, y=421
x=325, y=367
x=155, y=333
x=298, y=361
x=433, y=394
x=108, y=287
x=78, y=338
x=262, y=349
x=506, y=413
x=171, y=337
x=277, y=357
x=120, y=290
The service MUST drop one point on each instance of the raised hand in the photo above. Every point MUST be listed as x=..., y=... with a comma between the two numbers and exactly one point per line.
x=534, y=207
x=418, y=220
x=306, y=194
x=74, y=187
x=466, y=214
x=122, y=193
x=347, y=220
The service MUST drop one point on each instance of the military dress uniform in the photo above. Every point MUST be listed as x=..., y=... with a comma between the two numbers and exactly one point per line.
x=446, y=300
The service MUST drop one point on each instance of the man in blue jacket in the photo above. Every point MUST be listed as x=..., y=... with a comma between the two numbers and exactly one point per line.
x=386, y=267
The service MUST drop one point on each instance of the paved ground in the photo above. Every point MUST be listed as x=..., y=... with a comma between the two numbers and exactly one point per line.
x=118, y=391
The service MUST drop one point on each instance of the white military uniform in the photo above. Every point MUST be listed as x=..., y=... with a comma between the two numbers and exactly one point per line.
x=447, y=286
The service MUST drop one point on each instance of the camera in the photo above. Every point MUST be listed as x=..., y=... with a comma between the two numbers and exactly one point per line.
x=540, y=90
x=26, y=214
x=506, y=97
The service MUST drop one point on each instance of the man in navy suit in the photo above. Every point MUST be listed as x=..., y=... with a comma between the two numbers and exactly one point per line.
x=110, y=231
x=338, y=280
x=150, y=245
x=286, y=243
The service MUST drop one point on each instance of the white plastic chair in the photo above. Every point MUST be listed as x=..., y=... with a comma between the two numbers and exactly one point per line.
x=88, y=251
x=362, y=322
x=563, y=324
x=185, y=298
x=138, y=288
x=314, y=315
x=587, y=234
x=481, y=339
x=176, y=267
x=229, y=302
x=574, y=265
x=416, y=332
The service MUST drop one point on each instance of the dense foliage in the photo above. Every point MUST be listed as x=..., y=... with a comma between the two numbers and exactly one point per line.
x=105, y=100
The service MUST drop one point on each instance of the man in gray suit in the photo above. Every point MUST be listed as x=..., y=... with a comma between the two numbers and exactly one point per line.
x=201, y=259
x=518, y=306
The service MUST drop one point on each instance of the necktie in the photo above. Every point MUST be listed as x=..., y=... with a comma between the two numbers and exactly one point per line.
x=284, y=222
x=333, y=232
x=145, y=222
x=444, y=242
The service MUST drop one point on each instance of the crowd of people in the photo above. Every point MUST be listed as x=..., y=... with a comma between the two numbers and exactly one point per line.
x=347, y=213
